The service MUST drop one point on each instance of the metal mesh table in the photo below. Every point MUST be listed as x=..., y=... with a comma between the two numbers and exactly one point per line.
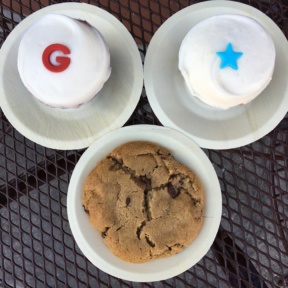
x=36, y=245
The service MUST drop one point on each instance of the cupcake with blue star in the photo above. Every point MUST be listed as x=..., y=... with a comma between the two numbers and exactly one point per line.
x=227, y=60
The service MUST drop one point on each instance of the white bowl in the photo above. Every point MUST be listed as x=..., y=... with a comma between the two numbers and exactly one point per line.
x=89, y=239
x=210, y=127
x=74, y=128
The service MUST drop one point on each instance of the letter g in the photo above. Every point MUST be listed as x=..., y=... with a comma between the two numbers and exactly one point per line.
x=64, y=62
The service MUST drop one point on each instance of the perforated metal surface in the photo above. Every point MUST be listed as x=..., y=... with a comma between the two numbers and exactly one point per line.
x=36, y=245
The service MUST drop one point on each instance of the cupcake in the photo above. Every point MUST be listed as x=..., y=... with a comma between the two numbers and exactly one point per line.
x=63, y=62
x=227, y=60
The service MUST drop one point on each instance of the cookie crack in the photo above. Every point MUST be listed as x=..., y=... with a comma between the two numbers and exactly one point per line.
x=149, y=241
x=143, y=179
x=161, y=154
x=172, y=190
x=118, y=164
x=175, y=192
x=159, y=255
x=169, y=249
x=195, y=201
x=119, y=228
x=131, y=172
x=86, y=210
x=183, y=177
x=147, y=154
x=178, y=245
x=139, y=229
x=146, y=205
x=104, y=233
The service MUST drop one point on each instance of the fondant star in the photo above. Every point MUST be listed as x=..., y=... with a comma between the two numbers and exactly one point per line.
x=229, y=57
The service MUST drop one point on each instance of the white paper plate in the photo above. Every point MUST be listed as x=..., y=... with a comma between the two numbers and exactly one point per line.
x=89, y=240
x=209, y=127
x=74, y=128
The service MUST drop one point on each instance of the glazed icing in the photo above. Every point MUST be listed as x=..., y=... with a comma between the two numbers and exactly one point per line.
x=200, y=64
x=87, y=72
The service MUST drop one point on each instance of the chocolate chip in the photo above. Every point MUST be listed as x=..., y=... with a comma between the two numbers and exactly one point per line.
x=128, y=200
x=145, y=180
x=173, y=192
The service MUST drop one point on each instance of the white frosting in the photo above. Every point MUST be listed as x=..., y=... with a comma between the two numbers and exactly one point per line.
x=89, y=68
x=200, y=65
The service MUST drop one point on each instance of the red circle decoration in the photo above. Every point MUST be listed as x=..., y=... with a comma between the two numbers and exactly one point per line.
x=64, y=62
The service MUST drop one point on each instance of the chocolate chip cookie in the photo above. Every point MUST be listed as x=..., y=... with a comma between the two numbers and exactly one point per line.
x=145, y=204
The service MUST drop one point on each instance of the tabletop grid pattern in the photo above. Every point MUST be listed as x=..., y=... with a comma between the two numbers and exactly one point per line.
x=36, y=245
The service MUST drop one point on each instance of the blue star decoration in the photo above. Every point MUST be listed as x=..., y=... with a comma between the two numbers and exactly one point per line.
x=229, y=57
